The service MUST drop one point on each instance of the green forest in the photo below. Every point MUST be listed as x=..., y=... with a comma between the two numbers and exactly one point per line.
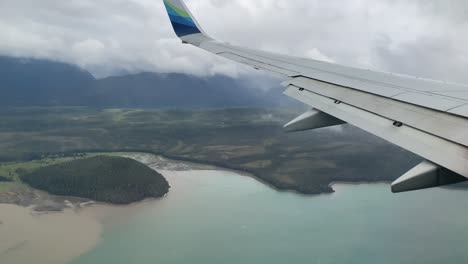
x=109, y=179
x=4, y=179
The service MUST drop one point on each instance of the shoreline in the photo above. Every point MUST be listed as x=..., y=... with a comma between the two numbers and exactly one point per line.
x=44, y=202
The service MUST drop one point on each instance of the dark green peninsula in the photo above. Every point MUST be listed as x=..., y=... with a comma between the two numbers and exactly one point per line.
x=4, y=179
x=109, y=179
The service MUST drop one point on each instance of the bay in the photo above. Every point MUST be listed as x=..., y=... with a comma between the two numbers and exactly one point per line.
x=222, y=217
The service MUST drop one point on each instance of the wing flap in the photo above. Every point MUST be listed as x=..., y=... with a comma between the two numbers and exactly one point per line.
x=439, y=150
x=438, y=123
x=429, y=101
x=461, y=110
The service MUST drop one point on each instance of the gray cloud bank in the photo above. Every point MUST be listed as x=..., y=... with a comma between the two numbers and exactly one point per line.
x=422, y=38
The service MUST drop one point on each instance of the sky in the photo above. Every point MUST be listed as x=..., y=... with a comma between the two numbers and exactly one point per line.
x=109, y=37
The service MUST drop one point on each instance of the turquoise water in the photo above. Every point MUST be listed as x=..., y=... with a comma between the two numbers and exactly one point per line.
x=220, y=217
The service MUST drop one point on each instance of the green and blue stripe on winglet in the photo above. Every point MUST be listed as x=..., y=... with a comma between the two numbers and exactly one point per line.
x=181, y=20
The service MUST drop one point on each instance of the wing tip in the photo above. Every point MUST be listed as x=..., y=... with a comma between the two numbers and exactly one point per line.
x=183, y=22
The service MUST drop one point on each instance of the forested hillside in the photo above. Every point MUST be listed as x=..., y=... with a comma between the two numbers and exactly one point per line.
x=4, y=179
x=102, y=178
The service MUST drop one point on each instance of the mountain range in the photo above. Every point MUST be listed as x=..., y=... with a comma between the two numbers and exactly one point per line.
x=33, y=82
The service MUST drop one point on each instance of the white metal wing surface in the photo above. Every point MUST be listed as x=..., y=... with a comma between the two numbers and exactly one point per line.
x=426, y=117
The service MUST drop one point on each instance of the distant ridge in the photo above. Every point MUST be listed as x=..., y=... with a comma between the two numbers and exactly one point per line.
x=27, y=82
x=32, y=82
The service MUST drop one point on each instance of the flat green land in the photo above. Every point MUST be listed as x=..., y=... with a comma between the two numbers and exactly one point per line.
x=251, y=140
x=13, y=170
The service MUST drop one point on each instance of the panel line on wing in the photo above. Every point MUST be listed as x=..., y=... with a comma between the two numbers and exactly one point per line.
x=252, y=62
x=388, y=74
x=347, y=82
x=420, y=118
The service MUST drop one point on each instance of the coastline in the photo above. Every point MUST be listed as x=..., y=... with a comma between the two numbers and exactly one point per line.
x=45, y=219
x=38, y=232
x=44, y=202
x=183, y=164
x=29, y=229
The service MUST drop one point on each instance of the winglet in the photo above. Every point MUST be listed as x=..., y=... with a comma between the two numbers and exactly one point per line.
x=182, y=21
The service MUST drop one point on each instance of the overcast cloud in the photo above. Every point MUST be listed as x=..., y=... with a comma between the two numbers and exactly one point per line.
x=422, y=38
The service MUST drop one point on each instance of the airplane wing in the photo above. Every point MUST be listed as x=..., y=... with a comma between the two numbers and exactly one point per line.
x=426, y=117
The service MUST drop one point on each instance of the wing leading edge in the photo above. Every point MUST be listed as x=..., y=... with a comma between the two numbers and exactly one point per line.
x=426, y=117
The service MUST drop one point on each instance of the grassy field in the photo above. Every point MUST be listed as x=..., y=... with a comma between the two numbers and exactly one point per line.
x=244, y=139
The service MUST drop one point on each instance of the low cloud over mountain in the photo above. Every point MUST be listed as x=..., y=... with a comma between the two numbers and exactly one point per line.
x=28, y=82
